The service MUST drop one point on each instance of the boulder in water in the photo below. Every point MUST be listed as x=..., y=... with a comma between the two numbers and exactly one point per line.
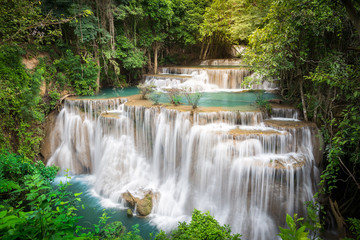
x=129, y=199
x=129, y=213
x=144, y=206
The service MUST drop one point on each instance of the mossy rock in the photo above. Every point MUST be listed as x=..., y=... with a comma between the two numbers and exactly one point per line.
x=144, y=206
x=129, y=212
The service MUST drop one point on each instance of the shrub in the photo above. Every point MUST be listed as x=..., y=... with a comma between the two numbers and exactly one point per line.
x=155, y=97
x=145, y=89
x=296, y=230
x=193, y=98
x=202, y=226
x=174, y=95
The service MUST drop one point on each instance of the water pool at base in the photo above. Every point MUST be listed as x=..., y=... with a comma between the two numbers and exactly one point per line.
x=95, y=206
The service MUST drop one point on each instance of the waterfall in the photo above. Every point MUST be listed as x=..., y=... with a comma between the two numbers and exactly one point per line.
x=246, y=170
x=211, y=75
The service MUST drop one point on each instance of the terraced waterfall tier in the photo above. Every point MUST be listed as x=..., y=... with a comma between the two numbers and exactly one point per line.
x=210, y=75
x=246, y=170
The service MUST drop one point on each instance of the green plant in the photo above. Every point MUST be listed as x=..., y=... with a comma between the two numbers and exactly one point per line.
x=174, y=95
x=31, y=207
x=112, y=230
x=296, y=230
x=262, y=103
x=193, y=98
x=202, y=226
x=77, y=71
x=20, y=110
x=145, y=89
x=176, y=100
x=54, y=98
x=354, y=227
x=155, y=97
x=313, y=221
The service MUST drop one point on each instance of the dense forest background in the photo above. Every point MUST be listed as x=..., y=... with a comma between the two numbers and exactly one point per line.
x=52, y=48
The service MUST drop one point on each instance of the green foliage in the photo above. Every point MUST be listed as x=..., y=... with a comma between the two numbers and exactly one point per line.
x=188, y=15
x=86, y=26
x=32, y=208
x=202, y=226
x=78, y=72
x=23, y=21
x=302, y=43
x=262, y=103
x=112, y=230
x=132, y=235
x=174, y=95
x=294, y=232
x=193, y=98
x=145, y=89
x=354, y=227
x=20, y=103
x=247, y=16
x=131, y=56
x=155, y=97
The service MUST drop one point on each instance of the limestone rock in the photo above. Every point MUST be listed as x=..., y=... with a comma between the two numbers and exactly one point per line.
x=129, y=199
x=144, y=206
x=49, y=127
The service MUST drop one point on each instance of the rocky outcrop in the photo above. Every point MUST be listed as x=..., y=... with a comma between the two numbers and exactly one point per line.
x=129, y=213
x=143, y=206
x=129, y=199
x=49, y=127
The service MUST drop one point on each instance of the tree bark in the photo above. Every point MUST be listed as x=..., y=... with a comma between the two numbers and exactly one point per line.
x=303, y=98
x=339, y=219
x=202, y=49
x=110, y=17
x=97, y=57
x=149, y=61
x=206, y=51
x=156, y=50
x=353, y=15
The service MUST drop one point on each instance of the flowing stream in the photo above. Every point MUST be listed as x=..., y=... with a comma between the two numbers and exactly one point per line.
x=245, y=167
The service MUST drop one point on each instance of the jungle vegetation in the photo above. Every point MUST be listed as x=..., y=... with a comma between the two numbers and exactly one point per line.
x=80, y=46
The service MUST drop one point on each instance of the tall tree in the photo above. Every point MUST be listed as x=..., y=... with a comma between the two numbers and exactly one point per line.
x=158, y=19
x=214, y=29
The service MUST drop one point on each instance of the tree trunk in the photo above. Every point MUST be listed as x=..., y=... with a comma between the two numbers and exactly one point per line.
x=97, y=57
x=156, y=50
x=339, y=219
x=110, y=17
x=303, y=98
x=149, y=61
x=206, y=51
x=353, y=15
x=202, y=50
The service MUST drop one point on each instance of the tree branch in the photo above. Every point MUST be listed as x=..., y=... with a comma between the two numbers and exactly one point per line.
x=42, y=24
x=348, y=171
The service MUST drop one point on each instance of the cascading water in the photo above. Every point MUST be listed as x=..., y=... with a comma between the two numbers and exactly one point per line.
x=211, y=75
x=247, y=171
